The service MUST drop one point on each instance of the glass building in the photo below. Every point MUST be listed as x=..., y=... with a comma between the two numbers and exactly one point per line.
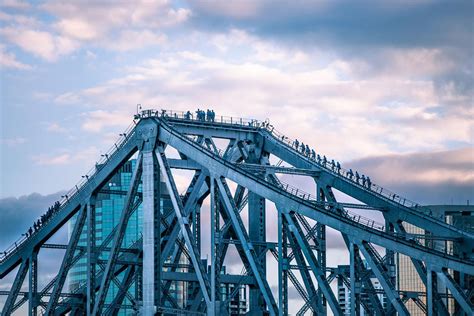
x=109, y=206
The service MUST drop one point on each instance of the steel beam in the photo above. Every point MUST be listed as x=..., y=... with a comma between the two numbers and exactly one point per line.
x=184, y=225
x=127, y=281
x=374, y=300
x=313, y=299
x=232, y=212
x=17, y=283
x=67, y=260
x=282, y=266
x=354, y=278
x=151, y=234
x=319, y=274
x=456, y=291
x=33, y=284
x=91, y=258
x=438, y=307
x=118, y=238
x=214, y=226
x=381, y=275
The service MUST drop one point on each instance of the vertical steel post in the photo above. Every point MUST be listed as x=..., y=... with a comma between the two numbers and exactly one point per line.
x=91, y=255
x=354, y=303
x=429, y=292
x=215, y=287
x=282, y=266
x=151, y=234
x=256, y=209
x=321, y=236
x=33, y=284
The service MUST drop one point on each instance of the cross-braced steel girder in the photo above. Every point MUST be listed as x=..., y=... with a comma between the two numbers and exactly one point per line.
x=172, y=248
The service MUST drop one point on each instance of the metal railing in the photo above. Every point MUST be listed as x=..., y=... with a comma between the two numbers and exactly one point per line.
x=192, y=117
x=328, y=166
x=74, y=191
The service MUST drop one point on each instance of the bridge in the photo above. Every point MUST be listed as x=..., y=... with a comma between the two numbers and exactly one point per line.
x=227, y=181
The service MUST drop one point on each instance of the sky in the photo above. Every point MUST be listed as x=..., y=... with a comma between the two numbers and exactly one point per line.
x=385, y=87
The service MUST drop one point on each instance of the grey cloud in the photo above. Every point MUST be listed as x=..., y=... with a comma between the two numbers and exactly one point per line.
x=449, y=175
x=361, y=23
x=357, y=29
x=18, y=214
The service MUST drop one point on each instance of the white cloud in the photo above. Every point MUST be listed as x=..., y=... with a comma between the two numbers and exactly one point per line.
x=95, y=121
x=39, y=43
x=117, y=26
x=78, y=29
x=65, y=158
x=129, y=40
x=55, y=127
x=329, y=105
x=8, y=60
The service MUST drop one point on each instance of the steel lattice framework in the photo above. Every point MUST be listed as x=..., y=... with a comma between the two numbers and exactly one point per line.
x=237, y=176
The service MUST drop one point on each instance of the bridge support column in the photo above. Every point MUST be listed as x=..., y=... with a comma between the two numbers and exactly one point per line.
x=429, y=292
x=33, y=284
x=321, y=237
x=215, y=238
x=355, y=284
x=151, y=234
x=282, y=265
x=256, y=208
x=91, y=255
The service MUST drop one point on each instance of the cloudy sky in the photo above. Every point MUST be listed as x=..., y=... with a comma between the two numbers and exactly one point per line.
x=382, y=86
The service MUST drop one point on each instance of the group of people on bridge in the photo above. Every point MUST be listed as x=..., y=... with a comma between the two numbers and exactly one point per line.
x=43, y=219
x=335, y=166
x=201, y=115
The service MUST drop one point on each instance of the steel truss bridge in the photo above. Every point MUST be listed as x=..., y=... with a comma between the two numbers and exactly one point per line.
x=237, y=176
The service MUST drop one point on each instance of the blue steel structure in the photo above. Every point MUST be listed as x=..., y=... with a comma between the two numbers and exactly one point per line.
x=238, y=176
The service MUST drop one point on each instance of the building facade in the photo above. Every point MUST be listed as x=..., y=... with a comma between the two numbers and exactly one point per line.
x=461, y=216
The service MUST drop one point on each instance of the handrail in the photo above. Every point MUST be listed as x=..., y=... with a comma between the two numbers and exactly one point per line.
x=354, y=219
x=181, y=115
x=340, y=171
x=129, y=132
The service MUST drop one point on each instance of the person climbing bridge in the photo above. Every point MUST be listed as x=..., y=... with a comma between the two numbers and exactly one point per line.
x=369, y=183
x=350, y=174
x=357, y=177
